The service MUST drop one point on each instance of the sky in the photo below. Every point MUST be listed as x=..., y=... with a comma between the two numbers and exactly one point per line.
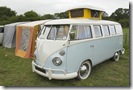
x=56, y=6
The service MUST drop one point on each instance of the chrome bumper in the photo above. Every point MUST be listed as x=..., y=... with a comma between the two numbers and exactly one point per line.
x=123, y=51
x=50, y=75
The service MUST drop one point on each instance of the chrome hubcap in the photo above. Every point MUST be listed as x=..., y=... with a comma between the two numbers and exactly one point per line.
x=116, y=57
x=84, y=70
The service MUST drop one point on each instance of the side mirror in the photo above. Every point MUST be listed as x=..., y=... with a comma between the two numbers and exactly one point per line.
x=72, y=35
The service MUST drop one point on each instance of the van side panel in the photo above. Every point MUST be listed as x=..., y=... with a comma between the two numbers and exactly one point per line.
x=97, y=50
x=105, y=48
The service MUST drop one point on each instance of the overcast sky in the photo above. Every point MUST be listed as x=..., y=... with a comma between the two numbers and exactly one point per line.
x=55, y=6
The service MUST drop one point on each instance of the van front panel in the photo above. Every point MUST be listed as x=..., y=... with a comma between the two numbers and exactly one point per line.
x=49, y=45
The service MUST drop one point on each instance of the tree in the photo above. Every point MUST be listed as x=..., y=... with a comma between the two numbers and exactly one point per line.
x=31, y=16
x=6, y=13
x=61, y=15
x=20, y=18
x=120, y=13
x=47, y=16
x=105, y=15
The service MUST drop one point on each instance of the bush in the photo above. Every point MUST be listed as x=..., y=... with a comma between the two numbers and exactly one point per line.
x=124, y=22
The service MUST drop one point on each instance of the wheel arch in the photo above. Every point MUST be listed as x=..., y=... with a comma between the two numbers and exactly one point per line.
x=89, y=61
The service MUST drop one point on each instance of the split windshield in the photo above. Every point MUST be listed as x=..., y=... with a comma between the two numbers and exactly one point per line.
x=57, y=32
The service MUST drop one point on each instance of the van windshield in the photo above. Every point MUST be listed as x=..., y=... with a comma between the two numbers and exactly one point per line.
x=42, y=31
x=58, y=32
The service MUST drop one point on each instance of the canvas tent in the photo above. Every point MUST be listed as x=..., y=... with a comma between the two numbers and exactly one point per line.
x=9, y=36
x=85, y=11
x=1, y=34
x=25, y=38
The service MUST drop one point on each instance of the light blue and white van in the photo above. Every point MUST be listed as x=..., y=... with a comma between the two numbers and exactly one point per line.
x=69, y=48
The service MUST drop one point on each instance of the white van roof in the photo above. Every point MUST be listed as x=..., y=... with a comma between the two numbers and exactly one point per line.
x=86, y=6
x=79, y=21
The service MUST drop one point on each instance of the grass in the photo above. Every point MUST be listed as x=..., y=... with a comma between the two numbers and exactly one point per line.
x=16, y=71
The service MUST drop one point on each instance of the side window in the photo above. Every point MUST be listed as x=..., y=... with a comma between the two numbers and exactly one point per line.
x=77, y=13
x=75, y=29
x=62, y=32
x=118, y=29
x=106, y=30
x=88, y=32
x=82, y=32
x=97, y=31
x=95, y=13
x=112, y=29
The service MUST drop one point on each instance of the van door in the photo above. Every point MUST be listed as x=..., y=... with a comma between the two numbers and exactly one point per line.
x=79, y=49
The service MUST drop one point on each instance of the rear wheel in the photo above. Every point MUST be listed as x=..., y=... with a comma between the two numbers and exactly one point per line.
x=116, y=56
x=84, y=70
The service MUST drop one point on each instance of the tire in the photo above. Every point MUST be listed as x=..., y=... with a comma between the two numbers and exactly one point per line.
x=116, y=56
x=84, y=70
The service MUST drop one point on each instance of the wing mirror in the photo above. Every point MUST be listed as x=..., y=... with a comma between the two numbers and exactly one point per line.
x=72, y=35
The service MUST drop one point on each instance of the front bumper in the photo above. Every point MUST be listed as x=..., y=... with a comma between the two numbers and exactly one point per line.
x=123, y=51
x=51, y=75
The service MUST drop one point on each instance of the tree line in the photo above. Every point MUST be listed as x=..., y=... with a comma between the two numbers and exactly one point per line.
x=8, y=15
x=120, y=15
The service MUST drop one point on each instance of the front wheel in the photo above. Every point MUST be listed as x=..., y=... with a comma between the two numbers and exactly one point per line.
x=84, y=70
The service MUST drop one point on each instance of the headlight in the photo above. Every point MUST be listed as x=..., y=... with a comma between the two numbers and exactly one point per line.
x=57, y=61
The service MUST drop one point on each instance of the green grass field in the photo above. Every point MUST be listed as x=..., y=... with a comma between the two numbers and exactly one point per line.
x=16, y=71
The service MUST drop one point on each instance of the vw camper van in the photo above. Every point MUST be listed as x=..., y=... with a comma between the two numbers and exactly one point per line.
x=69, y=48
